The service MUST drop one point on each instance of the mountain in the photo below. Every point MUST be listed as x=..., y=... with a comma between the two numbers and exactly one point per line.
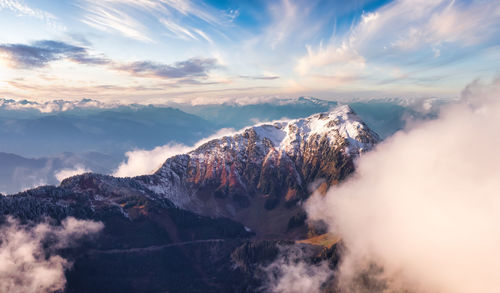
x=34, y=146
x=49, y=130
x=384, y=116
x=19, y=173
x=242, y=115
x=109, y=131
x=208, y=220
x=33, y=129
x=267, y=168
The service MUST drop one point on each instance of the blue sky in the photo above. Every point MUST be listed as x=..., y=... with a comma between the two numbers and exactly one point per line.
x=173, y=50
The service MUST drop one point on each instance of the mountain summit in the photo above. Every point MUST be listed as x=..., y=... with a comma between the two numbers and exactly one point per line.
x=264, y=168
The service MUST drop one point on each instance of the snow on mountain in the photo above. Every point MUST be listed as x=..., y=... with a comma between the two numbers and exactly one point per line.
x=270, y=165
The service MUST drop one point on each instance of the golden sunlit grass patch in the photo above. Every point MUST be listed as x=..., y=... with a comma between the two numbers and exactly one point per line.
x=325, y=240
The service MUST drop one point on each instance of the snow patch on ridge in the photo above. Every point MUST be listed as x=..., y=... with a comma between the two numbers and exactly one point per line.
x=281, y=144
x=342, y=121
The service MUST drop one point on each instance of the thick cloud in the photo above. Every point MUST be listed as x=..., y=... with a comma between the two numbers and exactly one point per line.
x=142, y=162
x=41, y=53
x=291, y=273
x=28, y=259
x=65, y=173
x=421, y=213
x=194, y=67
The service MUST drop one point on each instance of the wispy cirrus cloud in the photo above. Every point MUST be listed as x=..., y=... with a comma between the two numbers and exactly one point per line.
x=202, y=11
x=106, y=16
x=129, y=18
x=204, y=35
x=412, y=34
x=178, y=31
x=298, y=20
x=285, y=14
x=42, y=53
x=329, y=55
x=22, y=9
x=185, y=32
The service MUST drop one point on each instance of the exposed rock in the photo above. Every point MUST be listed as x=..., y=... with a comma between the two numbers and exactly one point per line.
x=261, y=175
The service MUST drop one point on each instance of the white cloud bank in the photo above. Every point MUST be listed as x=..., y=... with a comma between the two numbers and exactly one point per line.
x=28, y=264
x=55, y=105
x=143, y=162
x=290, y=273
x=425, y=205
x=65, y=173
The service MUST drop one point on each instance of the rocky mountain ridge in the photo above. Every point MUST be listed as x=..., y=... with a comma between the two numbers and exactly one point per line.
x=265, y=169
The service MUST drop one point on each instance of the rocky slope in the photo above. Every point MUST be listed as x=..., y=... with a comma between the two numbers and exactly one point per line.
x=260, y=175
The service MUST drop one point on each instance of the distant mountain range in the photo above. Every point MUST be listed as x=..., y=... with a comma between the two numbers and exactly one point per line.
x=109, y=131
x=209, y=220
x=37, y=137
x=19, y=173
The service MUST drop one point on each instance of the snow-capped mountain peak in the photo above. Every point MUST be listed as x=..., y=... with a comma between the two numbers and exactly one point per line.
x=272, y=161
x=342, y=121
